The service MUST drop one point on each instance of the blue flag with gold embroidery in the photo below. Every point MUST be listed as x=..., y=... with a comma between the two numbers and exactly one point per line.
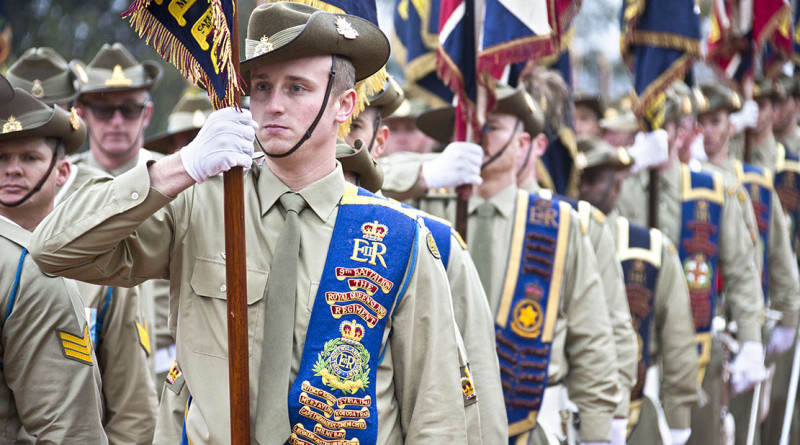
x=660, y=51
x=196, y=38
x=414, y=43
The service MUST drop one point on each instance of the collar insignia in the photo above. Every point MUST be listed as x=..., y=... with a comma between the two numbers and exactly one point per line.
x=345, y=29
x=264, y=46
x=37, y=90
x=12, y=125
x=73, y=119
x=118, y=78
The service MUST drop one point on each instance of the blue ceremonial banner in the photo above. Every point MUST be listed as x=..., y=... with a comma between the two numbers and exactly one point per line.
x=196, y=38
x=660, y=51
x=414, y=43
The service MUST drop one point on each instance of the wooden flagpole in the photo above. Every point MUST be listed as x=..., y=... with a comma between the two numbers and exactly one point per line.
x=236, y=279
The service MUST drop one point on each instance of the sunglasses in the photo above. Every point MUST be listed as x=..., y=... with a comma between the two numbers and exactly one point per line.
x=105, y=112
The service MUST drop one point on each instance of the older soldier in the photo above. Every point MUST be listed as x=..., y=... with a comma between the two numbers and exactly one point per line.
x=51, y=384
x=779, y=277
x=702, y=215
x=323, y=363
x=116, y=324
x=473, y=316
x=659, y=302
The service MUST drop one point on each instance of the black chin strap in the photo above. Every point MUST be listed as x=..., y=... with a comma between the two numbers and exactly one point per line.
x=38, y=185
x=375, y=126
x=500, y=152
x=316, y=120
x=527, y=158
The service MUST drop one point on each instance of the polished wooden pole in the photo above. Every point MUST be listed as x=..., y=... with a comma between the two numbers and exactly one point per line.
x=236, y=282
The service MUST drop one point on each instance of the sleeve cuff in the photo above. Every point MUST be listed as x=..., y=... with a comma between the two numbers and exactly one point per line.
x=678, y=417
x=624, y=405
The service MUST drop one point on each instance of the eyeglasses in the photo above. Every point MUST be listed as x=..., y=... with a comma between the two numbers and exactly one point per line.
x=105, y=112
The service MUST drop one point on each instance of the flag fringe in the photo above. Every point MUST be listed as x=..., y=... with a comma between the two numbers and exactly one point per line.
x=453, y=78
x=648, y=100
x=518, y=50
x=665, y=40
x=170, y=48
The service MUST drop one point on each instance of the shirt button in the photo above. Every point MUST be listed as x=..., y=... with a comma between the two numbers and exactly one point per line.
x=134, y=196
x=223, y=288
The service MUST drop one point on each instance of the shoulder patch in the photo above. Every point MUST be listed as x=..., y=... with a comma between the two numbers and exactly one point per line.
x=175, y=380
x=741, y=196
x=432, y=246
x=144, y=336
x=731, y=190
x=598, y=215
x=584, y=229
x=75, y=347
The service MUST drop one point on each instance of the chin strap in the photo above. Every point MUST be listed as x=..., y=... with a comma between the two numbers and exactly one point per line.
x=527, y=158
x=500, y=152
x=316, y=120
x=375, y=126
x=38, y=185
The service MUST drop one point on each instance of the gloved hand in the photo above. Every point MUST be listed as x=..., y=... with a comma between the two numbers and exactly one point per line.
x=679, y=437
x=781, y=340
x=698, y=148
x=747, y=117
x=458, y=164
x=619, y=431
x=224, y=142
x=649, y=150
x=747, y=368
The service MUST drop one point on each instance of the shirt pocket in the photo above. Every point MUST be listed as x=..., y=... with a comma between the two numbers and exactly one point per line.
x=205, y=314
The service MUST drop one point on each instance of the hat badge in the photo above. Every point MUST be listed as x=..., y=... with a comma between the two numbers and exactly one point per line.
x=37, y=90
x=345, y=29
x=264, y=46
x=73, y=119
x=736, y=101
x=12, y=125
x=118, y=78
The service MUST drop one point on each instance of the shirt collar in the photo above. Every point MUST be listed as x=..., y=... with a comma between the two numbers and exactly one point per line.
x=504, y=201
x=322, y=196
x=92, y=161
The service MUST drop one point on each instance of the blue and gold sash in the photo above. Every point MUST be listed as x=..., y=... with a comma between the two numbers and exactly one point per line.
x=703, y=195
x=758, y=182
x=528, y=307
x=787, y=186
x=639, y=251
x=370, y=260
x=441, y=233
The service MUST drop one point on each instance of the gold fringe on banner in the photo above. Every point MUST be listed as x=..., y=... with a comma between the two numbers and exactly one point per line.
x=171, y=49
x=649, y=108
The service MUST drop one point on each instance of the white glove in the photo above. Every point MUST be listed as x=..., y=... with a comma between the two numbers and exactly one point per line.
x=649, y=150
x=619, y=431
x=459, y=163
x=747, y=117
x=698, y=148
x=224, y=142
x=679, y=437
x=781, y=340
x=747, y=368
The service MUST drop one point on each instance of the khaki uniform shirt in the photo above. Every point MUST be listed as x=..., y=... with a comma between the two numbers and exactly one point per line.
x=128, y=388
x=625, y=343
x=672, y=345
x=45, y=396
x=792, y=141
x=153, y=295
x=761, y=154
x=419, y=396
x=743, y=293
x=784, y=293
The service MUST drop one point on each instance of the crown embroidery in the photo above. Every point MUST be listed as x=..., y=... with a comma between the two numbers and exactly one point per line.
x=345, y=29
x=374, y=231
x=352, y=332
x=37, y=90
x=118, y=78
x=12, y=125
x=264, y=46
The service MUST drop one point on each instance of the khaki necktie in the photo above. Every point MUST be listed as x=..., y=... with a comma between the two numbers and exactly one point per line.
x=272, y=414
x=482, y=243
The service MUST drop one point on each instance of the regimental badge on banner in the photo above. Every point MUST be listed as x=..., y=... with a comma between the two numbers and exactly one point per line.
x=344, y=362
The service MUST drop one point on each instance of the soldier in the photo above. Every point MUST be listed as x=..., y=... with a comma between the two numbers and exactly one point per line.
x=589, y=109
x=659, y=302
x=323, y=362
x=785, y=127
x=116, y=324
x=779, y=277
x=471, y=308
x=702, y=215
x=404, y=136
x=51, y=384
x=115, y=101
